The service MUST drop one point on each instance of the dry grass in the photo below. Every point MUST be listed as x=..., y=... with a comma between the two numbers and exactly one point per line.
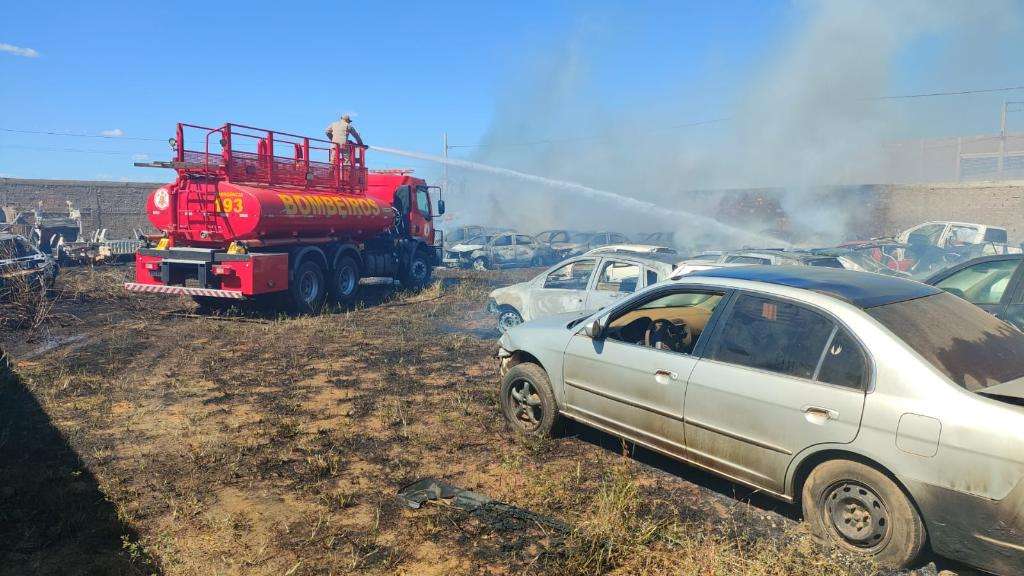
x=277, y=448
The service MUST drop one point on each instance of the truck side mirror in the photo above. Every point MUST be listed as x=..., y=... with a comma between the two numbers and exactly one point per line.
x=440, y=207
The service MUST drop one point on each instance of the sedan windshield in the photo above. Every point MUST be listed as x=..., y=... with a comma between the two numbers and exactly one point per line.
x=973, y=348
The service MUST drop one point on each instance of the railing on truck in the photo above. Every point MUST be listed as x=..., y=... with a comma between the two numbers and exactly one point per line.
x=247, y=155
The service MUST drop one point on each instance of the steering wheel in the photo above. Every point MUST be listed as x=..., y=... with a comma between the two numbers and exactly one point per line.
x=667, y=335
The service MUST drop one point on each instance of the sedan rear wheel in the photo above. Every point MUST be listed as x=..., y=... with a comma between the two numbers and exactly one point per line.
x=528, y=402
x=862, y=510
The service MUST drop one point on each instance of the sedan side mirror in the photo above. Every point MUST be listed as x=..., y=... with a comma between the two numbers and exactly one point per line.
x=594, y=330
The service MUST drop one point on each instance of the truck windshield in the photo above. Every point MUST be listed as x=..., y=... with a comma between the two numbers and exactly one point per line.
x=973, y=348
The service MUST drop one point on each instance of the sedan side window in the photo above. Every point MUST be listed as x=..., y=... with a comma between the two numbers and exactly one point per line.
x=773, y=335
x=843, y=363
x=673, y=322
x=572, y=276
x=618, y=277
x=524, y=240
x=983, y=283
x=503, y=241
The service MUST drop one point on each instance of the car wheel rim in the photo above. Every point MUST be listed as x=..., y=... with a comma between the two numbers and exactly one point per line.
x=526, y=405
x=857, y=515
x=309, y=287
x=479, y=265
x=346, y=280
x=508, y=320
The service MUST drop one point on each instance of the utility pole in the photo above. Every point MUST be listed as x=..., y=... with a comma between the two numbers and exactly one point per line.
x=444, y=165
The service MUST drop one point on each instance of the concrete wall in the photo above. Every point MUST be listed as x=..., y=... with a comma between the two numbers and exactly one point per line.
x=996, y=203
x=881, y=210
x=118, y=206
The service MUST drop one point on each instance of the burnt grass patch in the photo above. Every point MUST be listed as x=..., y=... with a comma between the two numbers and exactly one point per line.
x=277, y=447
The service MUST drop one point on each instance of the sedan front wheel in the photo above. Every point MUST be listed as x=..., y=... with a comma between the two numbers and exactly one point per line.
x=528, y=401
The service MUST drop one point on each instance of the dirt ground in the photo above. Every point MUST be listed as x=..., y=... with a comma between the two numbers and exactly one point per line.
x=140, y=438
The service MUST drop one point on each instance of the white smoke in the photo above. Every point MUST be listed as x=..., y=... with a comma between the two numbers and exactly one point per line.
x=808, y=118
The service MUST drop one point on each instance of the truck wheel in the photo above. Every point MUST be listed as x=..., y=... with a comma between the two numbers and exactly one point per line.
x=418, y=274
x=345, y=280
x=307, y=290
x=861, y=510
x=528, y=401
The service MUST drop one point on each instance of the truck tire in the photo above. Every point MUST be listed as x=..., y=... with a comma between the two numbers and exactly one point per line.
x=528, y=401
x=418, y=273
x=861, y=510
x=344, y=282
x=307, y=290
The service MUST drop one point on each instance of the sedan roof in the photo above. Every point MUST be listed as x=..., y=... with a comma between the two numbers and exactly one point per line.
x=862, y=289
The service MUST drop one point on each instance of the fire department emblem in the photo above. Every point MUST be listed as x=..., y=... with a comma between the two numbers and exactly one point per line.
x=161, y=199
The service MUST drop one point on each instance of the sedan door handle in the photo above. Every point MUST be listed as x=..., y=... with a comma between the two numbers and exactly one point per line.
x=663, y=376
x=819, y=415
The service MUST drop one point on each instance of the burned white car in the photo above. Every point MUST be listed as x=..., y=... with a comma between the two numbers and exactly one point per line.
x=22, y=265
x=573, y=285
x=503, y=250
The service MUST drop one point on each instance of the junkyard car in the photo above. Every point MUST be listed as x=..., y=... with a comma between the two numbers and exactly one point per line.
x=555, y=245
x=987, y=240
x=892, y=412
x=504, y=250
x=995, y=283
x=23, y=265
x=755, y=257
x=580, y=242
x=572, y=285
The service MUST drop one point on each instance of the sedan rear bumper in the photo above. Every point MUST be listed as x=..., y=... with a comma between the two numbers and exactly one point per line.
x=987, y=534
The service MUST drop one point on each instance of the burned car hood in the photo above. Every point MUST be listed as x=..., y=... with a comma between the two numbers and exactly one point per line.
x=465, y=247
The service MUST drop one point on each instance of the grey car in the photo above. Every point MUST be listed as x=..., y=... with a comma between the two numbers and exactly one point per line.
x=586, y=282
x=891, y=411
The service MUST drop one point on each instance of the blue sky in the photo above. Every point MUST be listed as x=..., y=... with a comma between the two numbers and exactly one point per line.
x=406, y=70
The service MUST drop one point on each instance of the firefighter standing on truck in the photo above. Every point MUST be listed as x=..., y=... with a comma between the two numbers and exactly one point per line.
x=340, y=131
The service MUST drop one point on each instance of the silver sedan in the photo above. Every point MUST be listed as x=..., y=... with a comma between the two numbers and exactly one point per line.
x=889, y=410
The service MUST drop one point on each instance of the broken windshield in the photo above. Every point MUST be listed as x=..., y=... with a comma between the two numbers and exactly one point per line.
x=973, y=348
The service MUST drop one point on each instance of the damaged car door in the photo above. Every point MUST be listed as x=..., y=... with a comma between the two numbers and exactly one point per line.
x=615, y=280
x=503, y=250
x=563, y=289
x=631, y=377
x=777, y=378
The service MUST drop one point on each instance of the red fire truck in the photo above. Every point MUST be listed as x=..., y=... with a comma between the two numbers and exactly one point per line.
x=255, y=213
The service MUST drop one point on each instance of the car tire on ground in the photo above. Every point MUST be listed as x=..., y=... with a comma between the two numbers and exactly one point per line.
x=507, y=318
x=480, y=263
x=528, y=401
x=861, y=510
x=307, y=290
x=419, y=272
x=344, y=284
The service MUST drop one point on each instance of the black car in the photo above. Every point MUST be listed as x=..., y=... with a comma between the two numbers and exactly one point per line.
x=995, y=283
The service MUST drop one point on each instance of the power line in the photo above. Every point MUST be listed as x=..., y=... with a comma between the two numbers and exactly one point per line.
x=79, y=150
x=958, y=93
x=727, y=118
x=74, y=134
